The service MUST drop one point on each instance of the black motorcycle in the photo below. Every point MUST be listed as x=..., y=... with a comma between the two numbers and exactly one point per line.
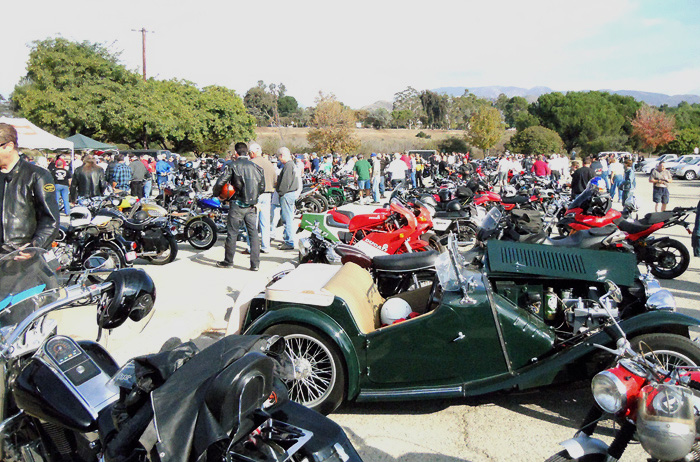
x=67, y=400
x=151, y=235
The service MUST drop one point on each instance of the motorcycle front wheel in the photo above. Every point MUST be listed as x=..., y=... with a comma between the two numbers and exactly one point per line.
x=564, y=456
x=201, y=233
x=672, y=260
x=165, y=256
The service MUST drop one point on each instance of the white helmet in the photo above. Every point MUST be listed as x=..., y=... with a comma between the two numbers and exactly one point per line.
x=80, y=216
x=393, y=309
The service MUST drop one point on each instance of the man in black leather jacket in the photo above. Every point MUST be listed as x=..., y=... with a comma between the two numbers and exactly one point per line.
x=248, y=181
x=88, y=180
x=28, y=208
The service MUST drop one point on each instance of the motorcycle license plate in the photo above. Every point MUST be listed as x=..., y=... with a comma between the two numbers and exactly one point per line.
x=131, y=256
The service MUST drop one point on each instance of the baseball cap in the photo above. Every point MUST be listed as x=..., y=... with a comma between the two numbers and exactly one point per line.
x=374, y=154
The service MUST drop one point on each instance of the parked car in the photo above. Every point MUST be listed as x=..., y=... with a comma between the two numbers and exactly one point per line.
x=688, y=170
x=648, y=165
x=508, y=316
x=682, y=160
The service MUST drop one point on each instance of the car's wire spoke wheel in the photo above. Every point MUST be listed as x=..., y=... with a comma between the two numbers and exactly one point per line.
x=671, y=359
x=315, y=372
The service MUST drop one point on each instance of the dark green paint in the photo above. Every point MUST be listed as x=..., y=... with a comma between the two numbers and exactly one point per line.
x=561, y=262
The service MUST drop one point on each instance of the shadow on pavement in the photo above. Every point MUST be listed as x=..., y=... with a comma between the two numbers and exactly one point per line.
x=369, y=453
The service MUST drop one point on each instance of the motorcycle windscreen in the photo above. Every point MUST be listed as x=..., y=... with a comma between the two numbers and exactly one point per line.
x=25, y=276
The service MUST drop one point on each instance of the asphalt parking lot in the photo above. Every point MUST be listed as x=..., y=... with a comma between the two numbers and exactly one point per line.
x=194, y=296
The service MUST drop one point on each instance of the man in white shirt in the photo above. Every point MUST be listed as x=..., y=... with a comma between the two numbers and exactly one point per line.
x=397, y=168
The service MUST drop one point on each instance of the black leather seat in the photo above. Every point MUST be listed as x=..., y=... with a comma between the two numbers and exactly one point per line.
x=515, y=200
x=457, y=214
x=347, y=213
x=405, y=262
x=656, y=217
x=330, y=221
x=632, y=226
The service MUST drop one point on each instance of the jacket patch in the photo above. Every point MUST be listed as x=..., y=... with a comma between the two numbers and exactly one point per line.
x=49, y=188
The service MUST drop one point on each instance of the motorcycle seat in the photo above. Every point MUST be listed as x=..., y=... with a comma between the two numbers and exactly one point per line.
x=632, y=226
x=603, y=230
x=405, y=262
x=448, y=215
x=656, y=217
x=330, y=221
x=347, y=213
x=136, y=225
x=515, y=200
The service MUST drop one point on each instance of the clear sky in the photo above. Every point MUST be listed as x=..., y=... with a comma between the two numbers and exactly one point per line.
x=364, y=51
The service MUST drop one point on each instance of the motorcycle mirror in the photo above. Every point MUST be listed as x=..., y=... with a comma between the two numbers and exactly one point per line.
x=613, y=291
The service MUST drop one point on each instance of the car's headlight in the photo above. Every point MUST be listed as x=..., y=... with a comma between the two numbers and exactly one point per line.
x=661, y=300
x=609, y=392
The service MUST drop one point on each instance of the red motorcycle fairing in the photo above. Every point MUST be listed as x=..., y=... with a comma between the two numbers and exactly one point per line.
x=365, y=221
x=339, y=217
x=581, y=221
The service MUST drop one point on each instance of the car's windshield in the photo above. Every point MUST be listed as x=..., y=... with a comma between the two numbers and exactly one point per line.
x=686, y=160
x=27, y=282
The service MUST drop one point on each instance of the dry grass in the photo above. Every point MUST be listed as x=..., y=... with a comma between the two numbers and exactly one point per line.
x=371, y=140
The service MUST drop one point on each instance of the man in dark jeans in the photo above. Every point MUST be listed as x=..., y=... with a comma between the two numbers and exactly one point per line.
x=139, y=172
x=248, y=181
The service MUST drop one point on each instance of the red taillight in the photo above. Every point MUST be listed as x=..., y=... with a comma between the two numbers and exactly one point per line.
x=133, y=246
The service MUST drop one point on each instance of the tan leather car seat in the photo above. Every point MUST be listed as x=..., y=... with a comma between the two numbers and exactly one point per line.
x=355, y=287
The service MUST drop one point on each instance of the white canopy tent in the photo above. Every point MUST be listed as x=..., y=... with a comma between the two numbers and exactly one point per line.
x=30, y=136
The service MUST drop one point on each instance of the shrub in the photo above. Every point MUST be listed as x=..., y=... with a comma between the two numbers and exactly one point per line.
x=422, y=134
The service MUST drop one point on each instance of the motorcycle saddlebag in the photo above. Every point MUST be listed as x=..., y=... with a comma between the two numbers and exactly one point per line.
x=527, y=221
x=154, y=240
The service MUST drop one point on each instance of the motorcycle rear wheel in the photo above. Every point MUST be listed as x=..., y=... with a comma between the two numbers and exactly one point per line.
x=673, y=260
x=336, y=197
x=308, y=205
x=201, y=233
x=321, y=199
x=564, y=456
x=167, y=255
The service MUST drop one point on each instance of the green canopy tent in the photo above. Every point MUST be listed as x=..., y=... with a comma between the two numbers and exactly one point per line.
x=82, y=143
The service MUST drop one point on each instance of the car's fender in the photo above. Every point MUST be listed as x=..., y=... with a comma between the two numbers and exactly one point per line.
x=659, y=321
x=323, y=323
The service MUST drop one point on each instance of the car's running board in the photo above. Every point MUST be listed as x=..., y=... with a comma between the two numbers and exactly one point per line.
x=401, y=394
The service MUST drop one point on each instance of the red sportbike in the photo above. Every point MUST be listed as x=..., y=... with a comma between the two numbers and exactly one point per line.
x=667, y=258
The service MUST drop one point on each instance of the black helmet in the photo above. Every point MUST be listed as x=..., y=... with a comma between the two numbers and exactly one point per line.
x=454, y=206
x=140, y=216
x=429, y=200
x=445, y=195
x=132, y=296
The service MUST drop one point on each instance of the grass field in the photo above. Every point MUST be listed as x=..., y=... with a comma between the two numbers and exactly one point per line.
x=371, y=140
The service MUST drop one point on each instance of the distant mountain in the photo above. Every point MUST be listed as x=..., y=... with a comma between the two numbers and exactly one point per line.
x=388, y=105
x=492, y=92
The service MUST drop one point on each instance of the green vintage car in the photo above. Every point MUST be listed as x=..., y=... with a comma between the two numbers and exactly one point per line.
x=517, y=316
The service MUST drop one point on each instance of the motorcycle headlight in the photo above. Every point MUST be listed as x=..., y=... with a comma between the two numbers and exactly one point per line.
x=665, y=423
x=304, y=246
x=609, y=392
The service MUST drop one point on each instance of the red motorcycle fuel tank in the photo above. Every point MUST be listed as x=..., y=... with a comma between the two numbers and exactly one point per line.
x=582, y=221
x=369, y=220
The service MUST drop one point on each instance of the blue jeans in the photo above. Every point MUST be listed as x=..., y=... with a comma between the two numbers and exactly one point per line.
x=287, y=205
x=147, y=187
x=375, y=188
x=413, y=178
x=382, y=185
x=264, y=202
x=617, y=184
x=63, y=191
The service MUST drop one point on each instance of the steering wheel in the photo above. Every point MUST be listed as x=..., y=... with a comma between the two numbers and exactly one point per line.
x=433, y=297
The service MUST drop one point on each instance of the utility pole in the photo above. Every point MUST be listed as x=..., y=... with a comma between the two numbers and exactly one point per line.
x=143, y=46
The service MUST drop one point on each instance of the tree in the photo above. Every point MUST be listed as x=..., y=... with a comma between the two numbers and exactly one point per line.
x=485, y=128
x=260, y=104
x=686, y=141
x=514, y=107
x=579, y=117
x=461, y=108
x=401, y=118
x=453, y=144
x=287, y=105
x=80, y=87
x=378, y=118
x=653, y=127
x=501, y=102
x=525, y=120
x=435, y=107
x=536, y=140
x=332, y=126
x=409, y=100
